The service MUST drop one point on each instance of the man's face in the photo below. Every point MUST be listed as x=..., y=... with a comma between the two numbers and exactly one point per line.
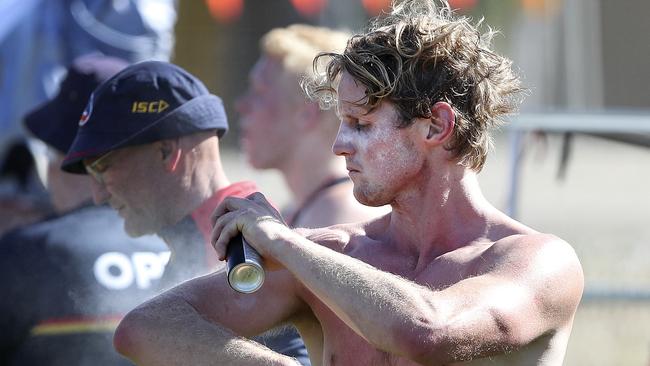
x=381, y=159
x=268, y=115
x=131, y=183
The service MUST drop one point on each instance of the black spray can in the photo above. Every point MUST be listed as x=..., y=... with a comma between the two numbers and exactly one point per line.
x=245, y=271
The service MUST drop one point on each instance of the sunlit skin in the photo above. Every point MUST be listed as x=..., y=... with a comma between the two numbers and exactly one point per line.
x=380, y=158
x=154, y=186
x=130, y=186
x=450, y=278
x=269, y=115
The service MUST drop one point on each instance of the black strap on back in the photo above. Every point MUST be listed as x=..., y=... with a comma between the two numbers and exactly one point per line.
x=312, y=197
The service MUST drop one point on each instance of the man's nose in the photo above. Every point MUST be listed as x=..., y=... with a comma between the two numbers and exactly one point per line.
x=342, y=144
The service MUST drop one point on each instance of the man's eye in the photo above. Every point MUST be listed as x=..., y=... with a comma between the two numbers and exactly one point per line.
x=359, y=127
x=355, y=124
x=101, y=167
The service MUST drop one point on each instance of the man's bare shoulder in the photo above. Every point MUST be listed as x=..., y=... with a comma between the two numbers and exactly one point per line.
x=513, y=246
x=539, y=250
x=339, y=237
x=545, y=264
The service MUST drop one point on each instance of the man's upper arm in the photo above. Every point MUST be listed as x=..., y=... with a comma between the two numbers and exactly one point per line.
x=545, y=272
x=245, y=314
x=520, y=296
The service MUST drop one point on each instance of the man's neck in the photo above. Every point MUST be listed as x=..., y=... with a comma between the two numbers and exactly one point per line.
x=451, y=213
x=201, y=188
x=188, y=253
x=202, y=175
x=181, y=240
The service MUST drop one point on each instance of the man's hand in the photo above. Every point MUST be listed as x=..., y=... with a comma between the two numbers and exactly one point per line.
x=254, y=217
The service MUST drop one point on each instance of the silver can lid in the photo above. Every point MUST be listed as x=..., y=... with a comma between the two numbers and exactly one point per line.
x=246, y=277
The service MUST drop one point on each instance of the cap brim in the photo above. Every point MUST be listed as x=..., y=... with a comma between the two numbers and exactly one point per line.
x=202, y=113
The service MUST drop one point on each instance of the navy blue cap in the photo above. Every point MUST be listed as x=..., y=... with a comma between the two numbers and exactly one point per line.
x=55, y=122
x=146, y=102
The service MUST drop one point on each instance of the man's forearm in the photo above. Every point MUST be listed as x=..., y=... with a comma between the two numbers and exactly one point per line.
x=357, y=292
x=168, y=331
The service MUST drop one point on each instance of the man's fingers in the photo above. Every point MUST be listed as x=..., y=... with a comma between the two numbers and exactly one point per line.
x=230, y=216
x=228, y=204
x=228, y=232
x=219, y=224
x=260, y=199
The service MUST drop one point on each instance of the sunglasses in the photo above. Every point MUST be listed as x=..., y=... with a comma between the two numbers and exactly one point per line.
x=97, y=168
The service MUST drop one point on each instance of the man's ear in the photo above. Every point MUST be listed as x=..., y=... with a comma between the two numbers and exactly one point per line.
x=170, y=151
x=440, y=126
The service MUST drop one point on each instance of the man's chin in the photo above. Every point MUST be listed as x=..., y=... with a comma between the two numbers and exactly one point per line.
x=362, y=200
x=135, y=231
x=368, y=199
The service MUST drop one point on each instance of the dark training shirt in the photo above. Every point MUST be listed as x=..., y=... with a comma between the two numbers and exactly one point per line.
x=67, y=281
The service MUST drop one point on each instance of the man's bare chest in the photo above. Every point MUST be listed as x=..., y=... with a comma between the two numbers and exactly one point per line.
x=433, y=271
x=342, y=346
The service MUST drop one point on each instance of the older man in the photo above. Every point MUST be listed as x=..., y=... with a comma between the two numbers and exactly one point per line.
x=150, y=139
x=67, y=280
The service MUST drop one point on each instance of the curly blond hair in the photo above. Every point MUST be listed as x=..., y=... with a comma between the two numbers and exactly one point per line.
x=418, y=55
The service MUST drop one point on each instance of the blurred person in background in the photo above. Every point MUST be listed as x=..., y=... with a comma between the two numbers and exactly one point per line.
x=281, y=129
x=149, y=138
x=40, y=38
x=67, y=280
x=445, y=278
x=23, y=199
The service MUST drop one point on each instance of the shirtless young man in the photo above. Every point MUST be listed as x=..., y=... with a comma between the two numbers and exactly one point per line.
x=280, y=130
x=445, y=278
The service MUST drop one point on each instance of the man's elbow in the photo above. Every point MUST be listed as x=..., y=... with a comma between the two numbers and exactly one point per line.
x=443, y=343
x=423, y=343
x=128, y=335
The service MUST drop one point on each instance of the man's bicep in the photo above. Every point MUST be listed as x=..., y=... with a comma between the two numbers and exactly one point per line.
x=507, y=309
x=245, y=314
x=504, y=311
x=476, y=317
x=535, y=288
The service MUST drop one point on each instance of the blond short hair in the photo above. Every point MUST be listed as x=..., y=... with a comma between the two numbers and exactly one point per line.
x=297, y=45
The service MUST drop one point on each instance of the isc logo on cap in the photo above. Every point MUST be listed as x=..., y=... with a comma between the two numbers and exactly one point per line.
x=149, y=107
